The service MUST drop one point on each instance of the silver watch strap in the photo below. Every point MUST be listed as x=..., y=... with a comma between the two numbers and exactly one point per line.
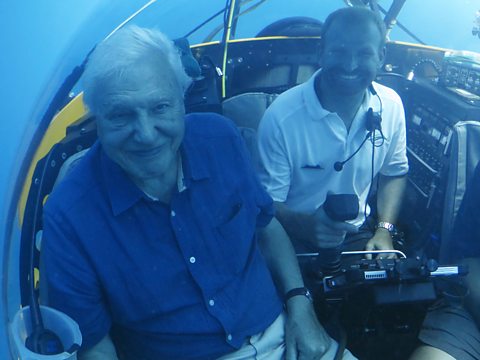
x=386, y=225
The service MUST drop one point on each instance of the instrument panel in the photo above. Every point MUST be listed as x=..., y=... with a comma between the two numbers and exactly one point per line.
x=462, y=75
x=431, y=112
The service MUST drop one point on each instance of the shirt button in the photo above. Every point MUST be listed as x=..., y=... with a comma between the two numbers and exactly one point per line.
x=229, y=337
x=192, y=259
x=211, y=302
x=172, y=213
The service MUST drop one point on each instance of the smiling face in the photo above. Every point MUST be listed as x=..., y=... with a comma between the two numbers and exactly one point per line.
x=352, y=54
x=140, y=119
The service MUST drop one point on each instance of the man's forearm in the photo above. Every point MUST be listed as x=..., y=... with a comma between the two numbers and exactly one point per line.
x=303, y=333
x=280, y=256
x=391, y=191
x=299, y=226
x=389, y=201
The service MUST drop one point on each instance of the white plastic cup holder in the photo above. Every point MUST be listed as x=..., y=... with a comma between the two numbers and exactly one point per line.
x=59, y=323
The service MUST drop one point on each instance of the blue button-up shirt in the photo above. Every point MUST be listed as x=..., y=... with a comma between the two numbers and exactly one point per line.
x=178, y=281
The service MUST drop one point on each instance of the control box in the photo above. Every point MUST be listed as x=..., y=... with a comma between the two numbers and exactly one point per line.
x=461, y=74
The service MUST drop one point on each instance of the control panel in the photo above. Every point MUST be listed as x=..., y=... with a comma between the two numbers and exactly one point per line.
x=461, y=74
x=431, y=112
x=428, y=134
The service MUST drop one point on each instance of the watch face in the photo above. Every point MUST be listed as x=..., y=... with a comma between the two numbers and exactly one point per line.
x=386, y=225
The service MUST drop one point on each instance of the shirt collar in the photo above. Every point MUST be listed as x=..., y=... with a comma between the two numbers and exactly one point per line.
x=180, y=176
x=317, y=112
x=180, y=180
x=372, y=101
x=121, y=191
x=369, y=101
x=195, y=160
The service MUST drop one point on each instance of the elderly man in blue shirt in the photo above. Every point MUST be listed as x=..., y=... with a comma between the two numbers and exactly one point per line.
x=151, y=241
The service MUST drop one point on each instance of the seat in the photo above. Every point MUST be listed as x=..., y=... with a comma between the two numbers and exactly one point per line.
x=246, y=110
x=69, y=164
x=464, y=157
x=293, y=26
x=66, y=167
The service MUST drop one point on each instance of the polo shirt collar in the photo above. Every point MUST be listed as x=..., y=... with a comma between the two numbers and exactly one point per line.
x=314, y=107
x=371, y=101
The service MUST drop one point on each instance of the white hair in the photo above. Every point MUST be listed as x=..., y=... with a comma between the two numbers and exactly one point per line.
x=123, y=50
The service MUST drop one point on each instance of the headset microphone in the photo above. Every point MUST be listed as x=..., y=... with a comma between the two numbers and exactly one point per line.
x=338, y=166
x=373, y=123
x=374, y=120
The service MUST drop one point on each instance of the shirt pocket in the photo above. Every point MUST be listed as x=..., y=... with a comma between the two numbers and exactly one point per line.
x=235, y=233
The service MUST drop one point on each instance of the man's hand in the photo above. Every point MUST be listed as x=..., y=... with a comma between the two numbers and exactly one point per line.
x=104, y=350
x=305, y=338
x=328, y=233
x=381, y=241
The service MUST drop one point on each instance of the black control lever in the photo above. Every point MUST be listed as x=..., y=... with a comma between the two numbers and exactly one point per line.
x=338, y=207
x=341, y=207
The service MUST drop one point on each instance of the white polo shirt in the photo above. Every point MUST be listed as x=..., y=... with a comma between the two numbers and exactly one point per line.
x=300, y=141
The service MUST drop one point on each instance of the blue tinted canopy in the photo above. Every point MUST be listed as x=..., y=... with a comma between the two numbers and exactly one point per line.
x=43, y=42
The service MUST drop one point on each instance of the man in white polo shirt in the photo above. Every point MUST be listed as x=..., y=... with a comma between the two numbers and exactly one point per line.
x=324, y=136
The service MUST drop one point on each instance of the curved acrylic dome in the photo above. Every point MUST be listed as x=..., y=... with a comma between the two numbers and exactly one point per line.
x=42, y=42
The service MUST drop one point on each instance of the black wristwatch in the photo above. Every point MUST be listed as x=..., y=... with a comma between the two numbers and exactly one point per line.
x=301, y=291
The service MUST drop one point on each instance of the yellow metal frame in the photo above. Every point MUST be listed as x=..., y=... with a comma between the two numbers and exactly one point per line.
x=428, y=47
x=56, y=131
x=225, y=50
